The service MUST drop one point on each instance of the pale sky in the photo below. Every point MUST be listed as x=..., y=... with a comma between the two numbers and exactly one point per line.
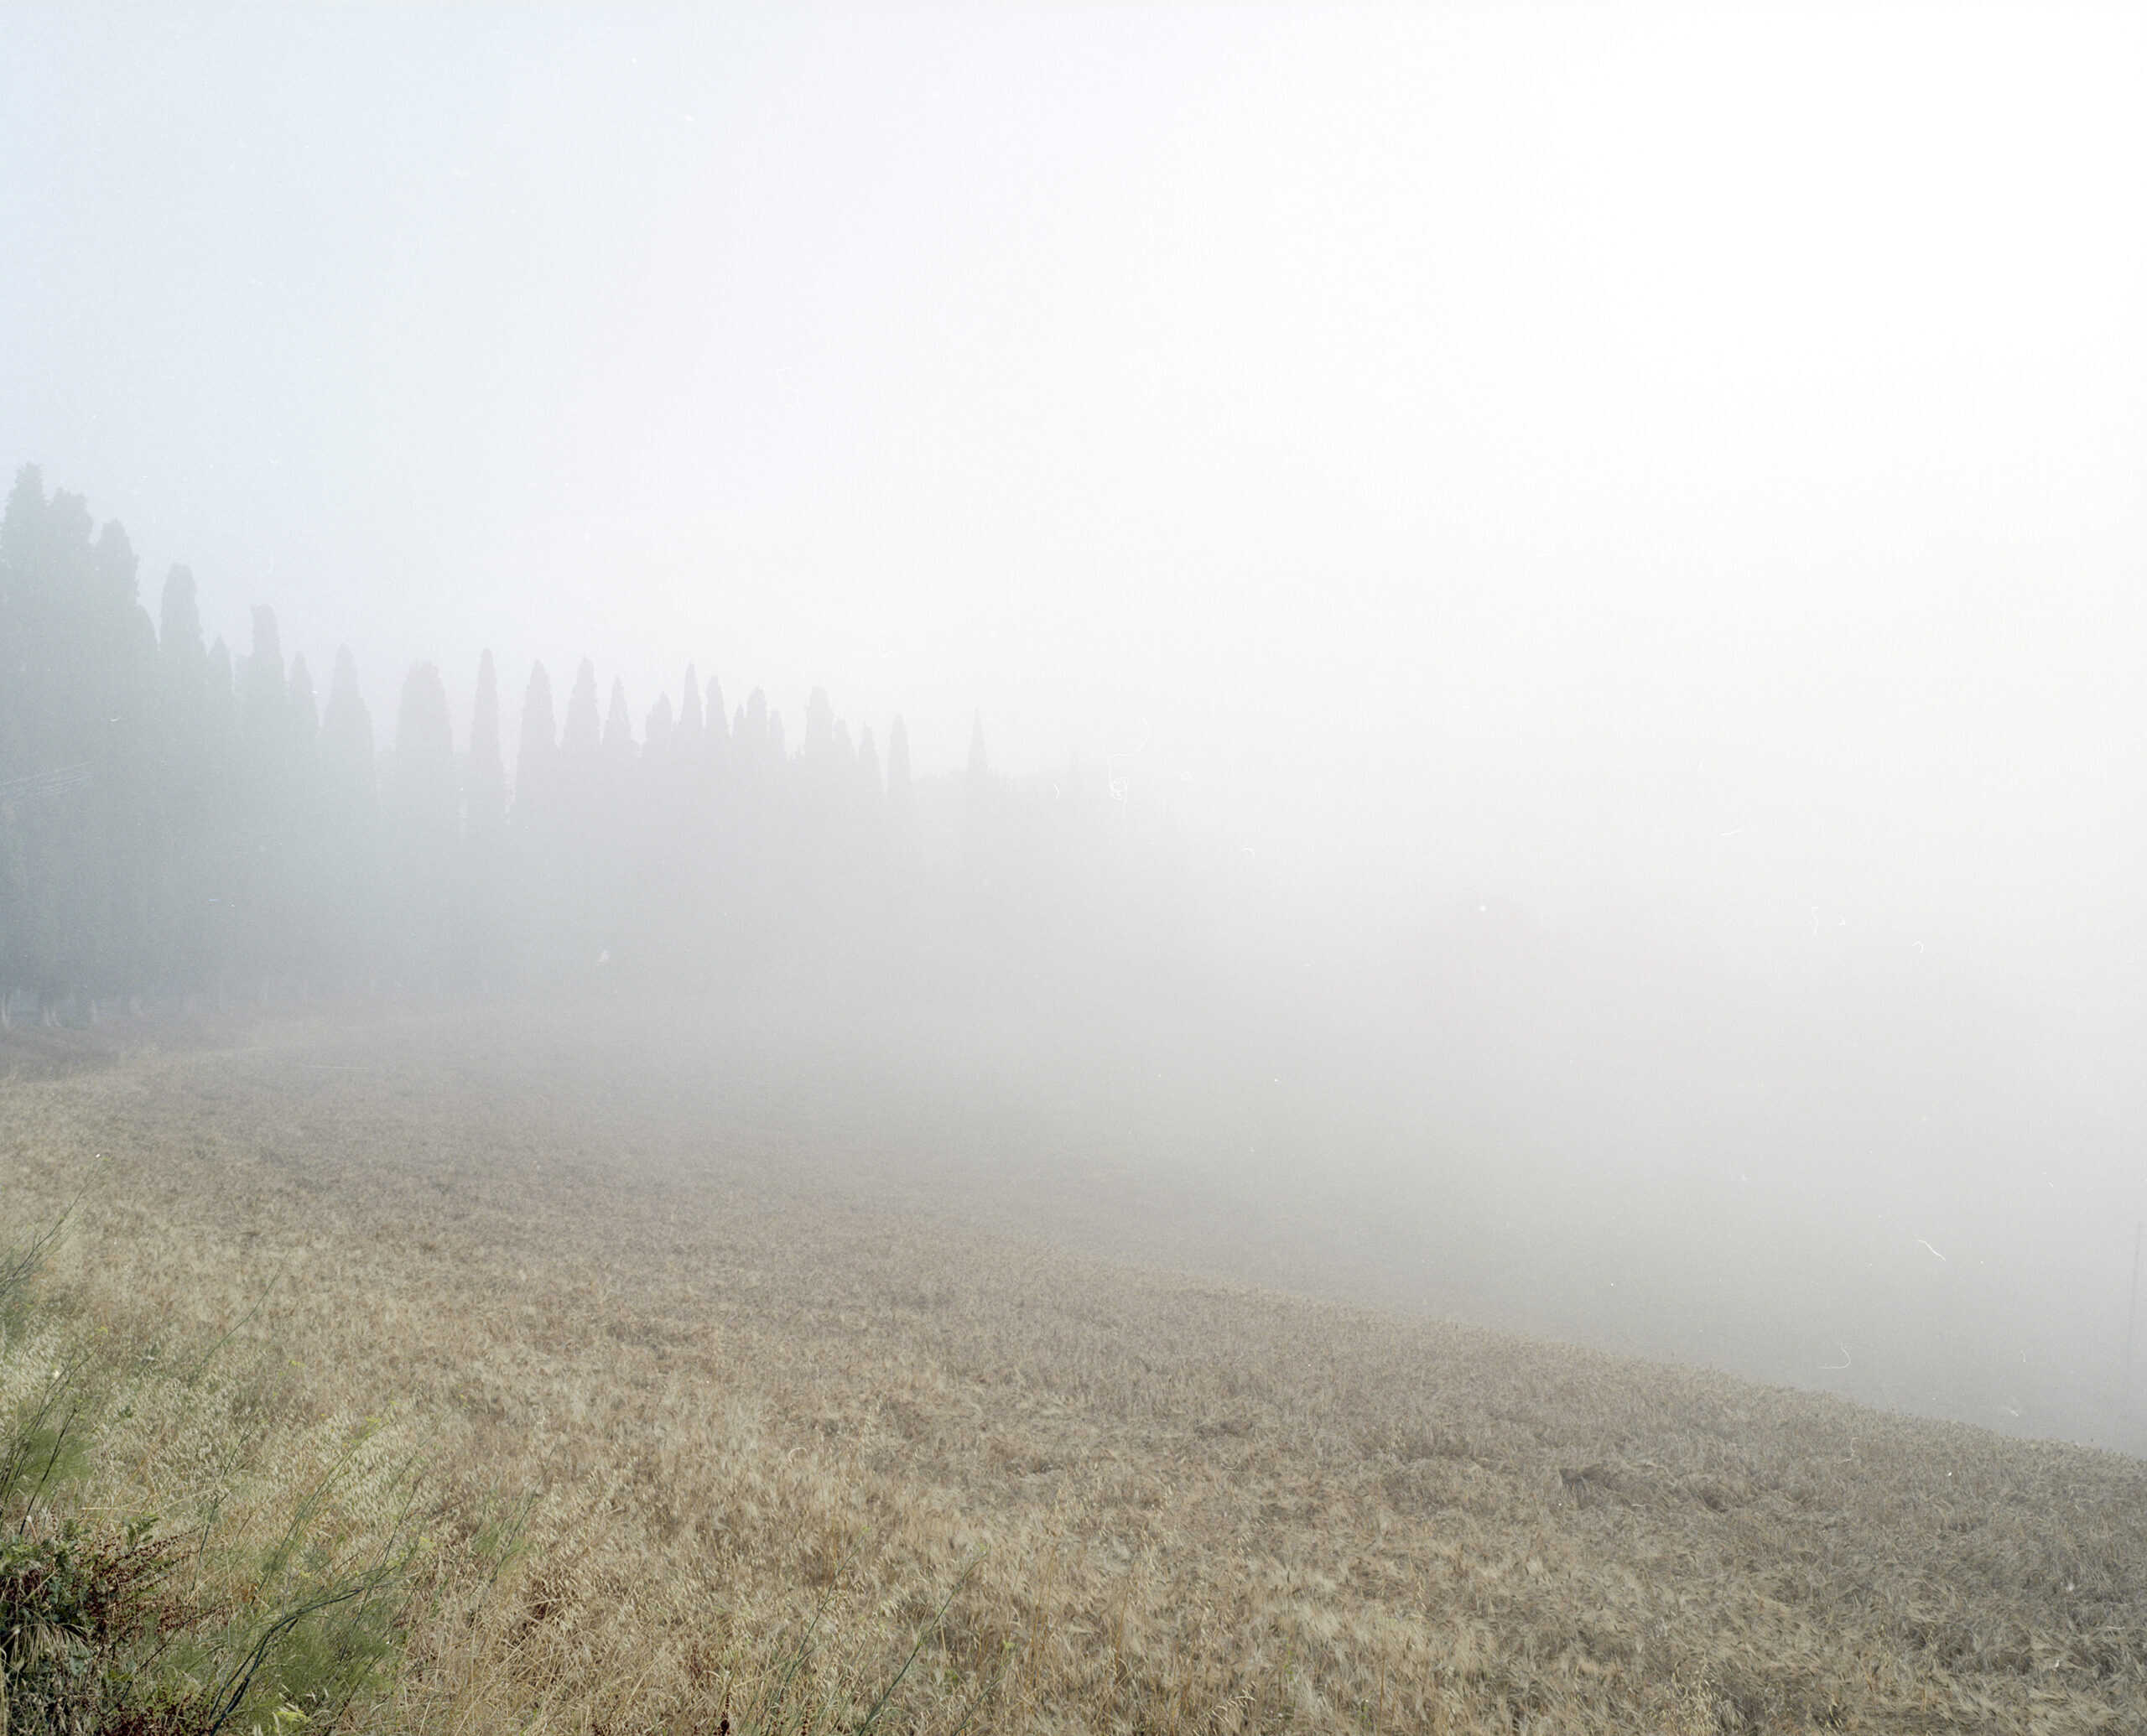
x=1609, y=447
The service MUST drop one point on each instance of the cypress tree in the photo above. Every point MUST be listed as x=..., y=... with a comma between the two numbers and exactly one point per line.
x=716, y=749
x=752, y=741
x=219, y=697
x=486, y=783
x=686, y=738
x=581, y=741
x=535, y=759
x=219, y=733
x=657, y=734
x=346, y=749
x=225, y=807
x=902, y=800
x=618, y=728
x=265, y=882
x=583, y=823
x=122, y=647
x=819, y=727
x=264, y=698
x=537, y=807
x=185, y=814
x=482, y=953
x=305, y=718
x=42, y=696
x=427, y=803
x=423, y=805
x=181, y=654
x=868, y=766
x=348, y=804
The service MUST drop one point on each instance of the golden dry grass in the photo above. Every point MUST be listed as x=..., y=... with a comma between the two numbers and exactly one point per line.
x=751, y=1400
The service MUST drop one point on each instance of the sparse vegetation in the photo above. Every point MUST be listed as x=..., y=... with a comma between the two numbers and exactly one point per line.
x=269, y=1599
x=704, y=1439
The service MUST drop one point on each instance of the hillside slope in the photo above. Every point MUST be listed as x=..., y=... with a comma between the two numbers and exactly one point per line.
x=747, y=1379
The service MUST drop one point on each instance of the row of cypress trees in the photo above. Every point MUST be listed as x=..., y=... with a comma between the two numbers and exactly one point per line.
x=177, y=820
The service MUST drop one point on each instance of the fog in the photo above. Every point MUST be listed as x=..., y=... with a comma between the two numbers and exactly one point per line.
x=1597, y=551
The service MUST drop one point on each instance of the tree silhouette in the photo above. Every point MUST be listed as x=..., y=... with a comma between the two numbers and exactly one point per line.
x=304, y=716
x=715, y=749
x=485, y=785
x=902, y=799
x=423, y=804
x=753, y=738
x=618, y=728
x=262, y=699
x=185, y=807
x=346, y=749
x=868, y=768
x=686, y=740
x=819, y=727
x=538, y=883
x=349, y=832
x=536, y=758
x=168, y=818
x=181, y=656
x=481, y=945
x=657, y=733
x=580, y=742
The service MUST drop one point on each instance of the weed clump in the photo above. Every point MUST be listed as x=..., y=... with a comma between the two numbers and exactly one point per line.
x=111, y=1621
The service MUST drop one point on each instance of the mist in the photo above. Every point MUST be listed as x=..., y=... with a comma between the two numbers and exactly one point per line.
x=1553, y=600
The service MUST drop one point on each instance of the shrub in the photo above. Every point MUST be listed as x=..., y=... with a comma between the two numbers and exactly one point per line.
x=110, y=1622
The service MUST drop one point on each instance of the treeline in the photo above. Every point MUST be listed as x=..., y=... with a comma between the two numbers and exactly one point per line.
x=176, y=821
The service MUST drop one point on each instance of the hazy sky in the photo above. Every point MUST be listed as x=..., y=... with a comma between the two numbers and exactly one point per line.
x=1697, y=450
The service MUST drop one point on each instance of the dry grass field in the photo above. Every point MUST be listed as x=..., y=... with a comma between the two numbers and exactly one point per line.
x=769, y=1423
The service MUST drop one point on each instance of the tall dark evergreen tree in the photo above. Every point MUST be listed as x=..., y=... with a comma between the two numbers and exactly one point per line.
x=181, y=656
x=819, y=727
x=868, y=768
x=536, y=757
x=303, y=716
x=901, y=798
x=349, y=834
x=536, y=873
x=346, y=743
x=618, y=729
x=264, y=697
x=264, y=868
x=482, y=955
x=424, y=808
x=716, y=743
x=686, y=742
x=187, y=807
x=125, y=855
x=427, y=800
x=220, y=701
x=43, y=561
x=485, y=787
x=583, y=739
x=753, y=738
x=657, y=731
